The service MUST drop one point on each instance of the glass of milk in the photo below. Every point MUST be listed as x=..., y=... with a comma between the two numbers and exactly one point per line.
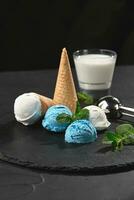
x=95, y=68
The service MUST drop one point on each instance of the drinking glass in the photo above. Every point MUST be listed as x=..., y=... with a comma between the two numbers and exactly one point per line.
x=94, y=69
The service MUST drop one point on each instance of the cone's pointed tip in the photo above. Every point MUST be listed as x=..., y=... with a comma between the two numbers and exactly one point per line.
x=64, y=49
x=64, y=55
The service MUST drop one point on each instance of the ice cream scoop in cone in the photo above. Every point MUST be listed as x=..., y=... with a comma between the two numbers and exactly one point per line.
x=29, y=107
x=65, y=92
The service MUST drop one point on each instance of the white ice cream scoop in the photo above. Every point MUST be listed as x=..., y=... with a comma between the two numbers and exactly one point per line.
x=29, y=107
x=98, y=117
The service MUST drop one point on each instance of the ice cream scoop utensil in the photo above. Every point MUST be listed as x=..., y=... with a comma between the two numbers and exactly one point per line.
x=113, y=107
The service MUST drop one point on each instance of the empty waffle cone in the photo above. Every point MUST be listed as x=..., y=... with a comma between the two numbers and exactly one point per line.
x=45, y=102
x=65, y=92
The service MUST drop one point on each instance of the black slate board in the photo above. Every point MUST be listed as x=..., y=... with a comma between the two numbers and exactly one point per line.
x=37, y=148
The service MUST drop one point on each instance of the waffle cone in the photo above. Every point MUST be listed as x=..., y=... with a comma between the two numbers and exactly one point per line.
x=45, y=102
x=65, y=92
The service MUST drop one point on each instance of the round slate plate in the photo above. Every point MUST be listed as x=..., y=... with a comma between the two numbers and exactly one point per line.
x=37, y=148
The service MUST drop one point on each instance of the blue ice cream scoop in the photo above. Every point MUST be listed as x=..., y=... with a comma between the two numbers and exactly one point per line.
x=50, y=123
x=80, y=131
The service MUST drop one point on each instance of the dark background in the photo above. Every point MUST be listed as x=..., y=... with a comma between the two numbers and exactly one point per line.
x=32, y=33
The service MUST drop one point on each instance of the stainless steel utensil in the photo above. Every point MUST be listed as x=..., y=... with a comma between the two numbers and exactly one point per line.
x=113, y=107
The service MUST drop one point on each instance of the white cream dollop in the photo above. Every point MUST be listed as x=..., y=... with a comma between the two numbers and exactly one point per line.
x=98, y=117
x=27, y=108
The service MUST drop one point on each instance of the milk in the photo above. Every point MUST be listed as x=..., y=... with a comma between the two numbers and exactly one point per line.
x=95, y=71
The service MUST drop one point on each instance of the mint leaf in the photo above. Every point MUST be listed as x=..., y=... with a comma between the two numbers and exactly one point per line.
x=117, y=145
x=106, y=140
x=82, y=114
x=79, y=114
x=114, y=139
x=64, y=118
x=78, y=107
x=125, y=129
x=111, y=136
x=85, y=98
x=127, y=132
x=123, y=135
x=128, y=140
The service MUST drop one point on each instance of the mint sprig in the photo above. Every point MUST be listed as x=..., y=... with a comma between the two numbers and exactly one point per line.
x=78, y=107
x=82, y=114
x=123, y=135
x=85, y=98
x=79, y=114
x=64, y=118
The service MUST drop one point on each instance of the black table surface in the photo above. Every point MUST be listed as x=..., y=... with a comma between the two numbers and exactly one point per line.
x=27, y=184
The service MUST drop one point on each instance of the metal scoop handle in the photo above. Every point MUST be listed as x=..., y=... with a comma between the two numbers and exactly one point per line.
x=131, y=110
